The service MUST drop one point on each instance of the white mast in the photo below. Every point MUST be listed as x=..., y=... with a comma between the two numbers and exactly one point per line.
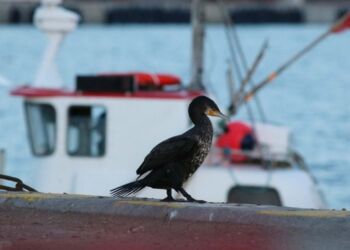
x=197, y=45
x=56, y=22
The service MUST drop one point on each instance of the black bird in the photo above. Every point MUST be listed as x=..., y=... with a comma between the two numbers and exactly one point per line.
x=174, y=160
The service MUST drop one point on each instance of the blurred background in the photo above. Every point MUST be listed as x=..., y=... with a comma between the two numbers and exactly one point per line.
x=311, y=98
x=178, y=11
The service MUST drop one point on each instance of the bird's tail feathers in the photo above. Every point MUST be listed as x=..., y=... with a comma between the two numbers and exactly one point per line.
x=127, y=189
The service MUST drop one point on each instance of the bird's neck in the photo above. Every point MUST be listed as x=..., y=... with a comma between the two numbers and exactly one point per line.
x=200, y=120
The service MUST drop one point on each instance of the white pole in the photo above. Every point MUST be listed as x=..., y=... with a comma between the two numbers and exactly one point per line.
x=56, y=22
x=197, y=45
x=47, y=74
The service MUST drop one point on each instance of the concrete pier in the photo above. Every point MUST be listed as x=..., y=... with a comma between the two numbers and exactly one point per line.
x=51, y=221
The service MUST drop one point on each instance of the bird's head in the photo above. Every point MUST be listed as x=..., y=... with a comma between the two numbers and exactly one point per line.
x=204, y=105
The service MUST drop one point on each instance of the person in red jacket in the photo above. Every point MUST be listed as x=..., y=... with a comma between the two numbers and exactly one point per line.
x=237, y=136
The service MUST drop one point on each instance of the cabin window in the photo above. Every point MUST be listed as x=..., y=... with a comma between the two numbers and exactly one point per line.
x=41, y=128
x=86, y=131
x=254, y=195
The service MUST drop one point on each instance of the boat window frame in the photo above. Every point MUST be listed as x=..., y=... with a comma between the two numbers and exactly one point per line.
x=91, y=106
x=29, y=128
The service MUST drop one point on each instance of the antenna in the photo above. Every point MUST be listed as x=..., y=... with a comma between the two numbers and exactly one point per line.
x=56, y=22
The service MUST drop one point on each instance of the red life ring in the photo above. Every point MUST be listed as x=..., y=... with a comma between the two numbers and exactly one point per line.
x=148, y=79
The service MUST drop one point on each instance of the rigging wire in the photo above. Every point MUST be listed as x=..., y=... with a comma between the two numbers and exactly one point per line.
x=234, y=59
x=229, y=24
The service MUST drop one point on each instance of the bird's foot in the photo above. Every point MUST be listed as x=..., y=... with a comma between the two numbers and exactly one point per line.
x=168, y=199
x=196, y=201
x=189, y=197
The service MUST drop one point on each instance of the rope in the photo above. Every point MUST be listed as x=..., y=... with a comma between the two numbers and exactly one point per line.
x=20, y=186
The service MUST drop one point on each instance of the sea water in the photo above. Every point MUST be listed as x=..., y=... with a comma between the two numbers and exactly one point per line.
x=311, y=98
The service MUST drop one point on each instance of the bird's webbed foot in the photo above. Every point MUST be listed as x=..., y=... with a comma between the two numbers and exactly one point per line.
x=199, y=201
x=196, y=201
x=189, y=197
x=169, y=197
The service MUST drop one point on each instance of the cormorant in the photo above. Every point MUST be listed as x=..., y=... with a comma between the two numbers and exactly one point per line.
x=174, y=160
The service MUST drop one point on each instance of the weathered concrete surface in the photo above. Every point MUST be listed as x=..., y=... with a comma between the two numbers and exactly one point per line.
x=49, y=221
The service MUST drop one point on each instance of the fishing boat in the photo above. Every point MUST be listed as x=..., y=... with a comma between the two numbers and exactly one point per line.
x=92, y=138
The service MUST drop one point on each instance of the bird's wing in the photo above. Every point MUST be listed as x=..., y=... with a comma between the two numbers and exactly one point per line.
x=167, y=151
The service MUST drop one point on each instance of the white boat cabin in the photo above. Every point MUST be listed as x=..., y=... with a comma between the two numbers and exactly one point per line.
x=92, y=139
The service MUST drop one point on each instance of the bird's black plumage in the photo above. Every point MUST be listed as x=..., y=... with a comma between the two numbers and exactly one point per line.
x=174, y=160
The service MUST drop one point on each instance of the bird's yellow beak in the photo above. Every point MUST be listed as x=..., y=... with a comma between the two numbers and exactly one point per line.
x=217, y=113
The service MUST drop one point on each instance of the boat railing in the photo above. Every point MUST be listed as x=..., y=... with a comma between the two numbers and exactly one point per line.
x=262, y=156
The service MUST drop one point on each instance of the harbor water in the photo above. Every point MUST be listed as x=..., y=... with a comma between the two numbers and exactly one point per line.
x=312, y=98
